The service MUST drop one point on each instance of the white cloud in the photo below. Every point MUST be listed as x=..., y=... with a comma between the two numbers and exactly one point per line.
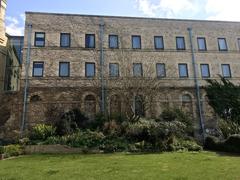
x=13, y=26
x=223, y=10
x=167, y=8
x=194, y=9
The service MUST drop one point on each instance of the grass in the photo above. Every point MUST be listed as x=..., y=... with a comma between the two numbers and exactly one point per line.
x=177, y=166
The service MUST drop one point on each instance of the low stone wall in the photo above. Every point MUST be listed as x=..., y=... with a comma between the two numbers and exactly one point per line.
x=51, y=149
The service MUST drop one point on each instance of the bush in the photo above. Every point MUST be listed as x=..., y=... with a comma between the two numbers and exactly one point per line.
x=13, y=150
x=175, y=144
x=176, y=114
x=1, y=149
x=231, y=144
x=84, y=139
x=228, y=128
x=42, y=132
x=211, y=143
x=70, y=122
x=153, y=133
x=114, y=144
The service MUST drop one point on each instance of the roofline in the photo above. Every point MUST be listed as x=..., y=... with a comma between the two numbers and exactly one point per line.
x=129, y=17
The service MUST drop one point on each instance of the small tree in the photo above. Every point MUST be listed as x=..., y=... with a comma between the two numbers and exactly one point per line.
x=224, y=98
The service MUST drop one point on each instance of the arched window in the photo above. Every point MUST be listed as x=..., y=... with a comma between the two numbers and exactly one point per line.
x=90, y=106
x=187, y=103
x=139, y=105
x=35, y=98
x=115, y=105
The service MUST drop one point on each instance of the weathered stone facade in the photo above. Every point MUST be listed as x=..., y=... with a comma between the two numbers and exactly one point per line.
x=77, y=90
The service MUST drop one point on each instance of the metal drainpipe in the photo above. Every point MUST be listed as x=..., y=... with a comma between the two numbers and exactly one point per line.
x=24, y=115
x=195, y=73
x=103, y=98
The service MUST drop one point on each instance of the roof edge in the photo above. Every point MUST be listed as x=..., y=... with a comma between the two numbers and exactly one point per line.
x=129, y=17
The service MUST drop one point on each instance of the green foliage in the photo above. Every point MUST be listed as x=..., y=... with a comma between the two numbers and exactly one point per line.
x=153, y=133
x=228, y=128
x=176, y=114
x=114, y=144
x=175, y=144
x=86, y=139
x=42, y=132
x=70, y=122
x=1, y=149
x=224, y=98
x=13, y=150
x=231, y=144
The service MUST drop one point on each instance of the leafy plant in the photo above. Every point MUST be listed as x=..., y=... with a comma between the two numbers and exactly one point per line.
x=224, y=98
x=13, y=150
x=228, y=128
x=1, y=149
x=42, y=132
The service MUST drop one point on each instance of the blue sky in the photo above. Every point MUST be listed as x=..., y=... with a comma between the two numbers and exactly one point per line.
x=183, y=9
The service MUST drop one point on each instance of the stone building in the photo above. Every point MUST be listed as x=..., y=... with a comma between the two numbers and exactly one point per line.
x=116, y=64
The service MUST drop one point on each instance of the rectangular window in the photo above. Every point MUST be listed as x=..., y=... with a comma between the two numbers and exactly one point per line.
x=161, y=71
x=201, y=44
x=226, y=71
x=158, y=42
x=89, y=69
x=222, y=44
x=113, y=41
x=90, y=41
x=183, y=70
x=65, y=39
x=38, y=69
x=205, y=70
x=238, y=41
x=180, y=43
x=137, y=70
x=136, y=42
x=113, y=70
x=39, y=39
x=64, y=69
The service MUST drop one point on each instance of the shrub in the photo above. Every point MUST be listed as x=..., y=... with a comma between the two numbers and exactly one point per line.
x=228, y=128
x=231, y=144
x=114, y=144
x=13, y=150
x=84, y=139
x=112, y=128
x=211, y=143
x=1, y=149
x=42, y=132
x=70, y=122
x=175, y=144
x=176, y=114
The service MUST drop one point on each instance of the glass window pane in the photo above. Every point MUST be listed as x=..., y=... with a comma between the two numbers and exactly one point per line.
x=183, y=72
x=136, y=42
x=39, y=39
x=222, y=44
x=90, y=41
x=226, y=72
x=161, y=70
x=37, y=69
x=180, y=43
x=201, y=44
x=64, y=69
x=137, y=69
x=90, y=69
x=113, y=70
x=113, y=41
x=238, y=43
x=65, y=40
x=158, y=41
x=205, y=70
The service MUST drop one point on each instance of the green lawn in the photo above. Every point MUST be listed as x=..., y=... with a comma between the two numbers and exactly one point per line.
x=187, y=165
